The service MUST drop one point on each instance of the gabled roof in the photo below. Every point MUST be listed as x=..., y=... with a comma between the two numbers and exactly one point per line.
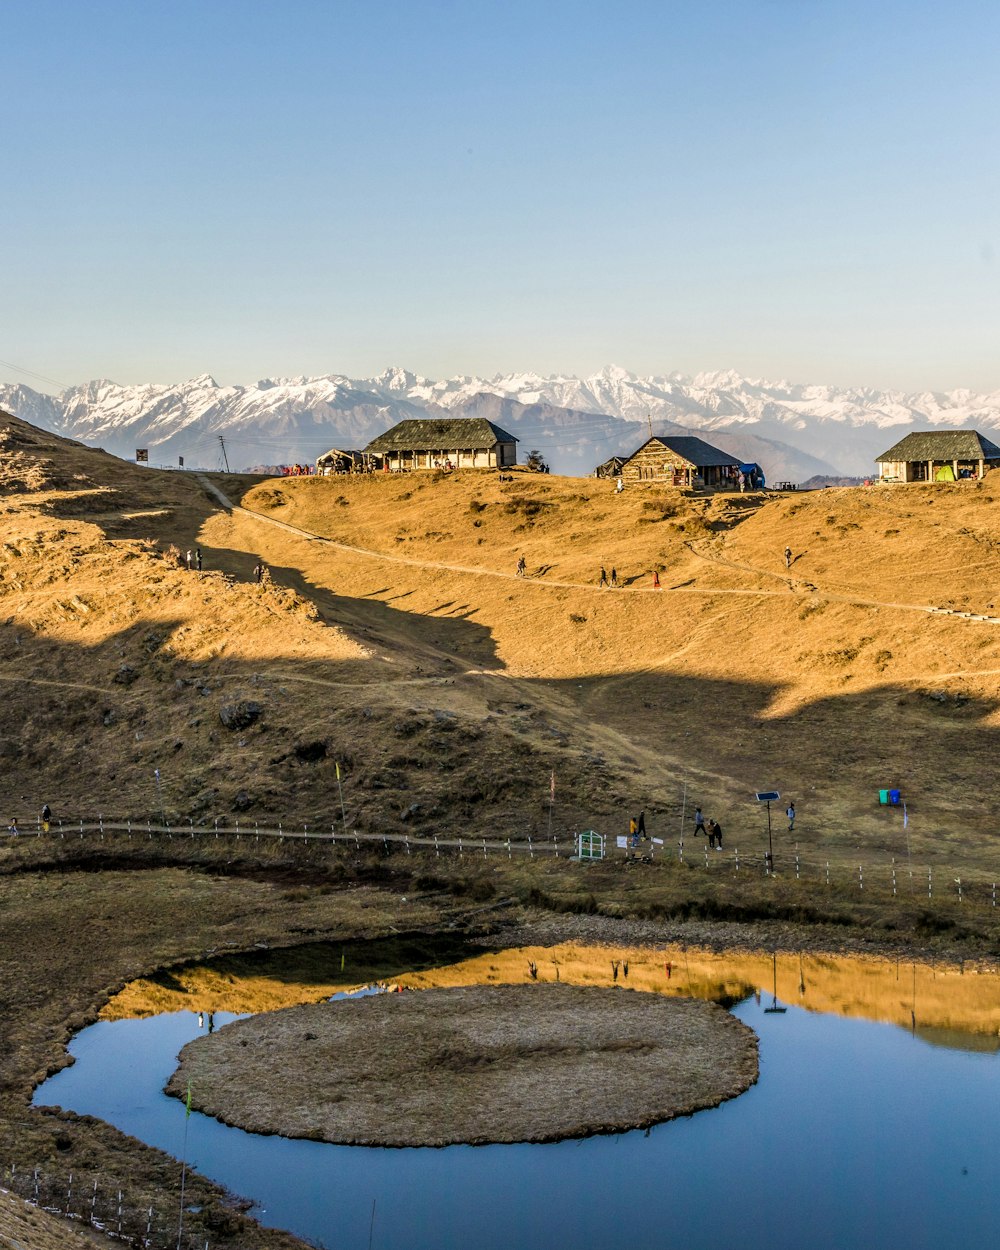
x=941, y=445
x=694, y=450
x=335, y=453
x=441, y=434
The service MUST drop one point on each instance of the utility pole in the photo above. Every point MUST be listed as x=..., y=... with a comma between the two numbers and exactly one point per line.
x=649, y=422
x=225, y=458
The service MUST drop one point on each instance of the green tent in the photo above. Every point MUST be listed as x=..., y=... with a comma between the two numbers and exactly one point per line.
x=945, y=474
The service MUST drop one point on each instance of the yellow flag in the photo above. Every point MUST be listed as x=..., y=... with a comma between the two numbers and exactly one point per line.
x=338, y=770
x=187, y=1105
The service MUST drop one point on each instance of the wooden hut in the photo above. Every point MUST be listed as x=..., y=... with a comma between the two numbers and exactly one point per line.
x=459, y=442
x=938, y=456
x=683, y=461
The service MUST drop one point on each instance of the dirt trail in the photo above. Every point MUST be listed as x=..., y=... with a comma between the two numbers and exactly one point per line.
x=797, y=586
x=791, y=585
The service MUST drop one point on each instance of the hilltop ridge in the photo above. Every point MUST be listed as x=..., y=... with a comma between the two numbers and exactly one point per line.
x=395, y=639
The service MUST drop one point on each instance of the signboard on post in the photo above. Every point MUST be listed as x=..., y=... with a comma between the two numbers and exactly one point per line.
x=142, y=455
x=180, y=462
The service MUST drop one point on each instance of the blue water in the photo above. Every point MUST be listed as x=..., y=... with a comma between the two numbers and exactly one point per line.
x=857, y=1135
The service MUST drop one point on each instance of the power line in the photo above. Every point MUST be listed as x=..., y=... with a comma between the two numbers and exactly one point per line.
x=63, y=386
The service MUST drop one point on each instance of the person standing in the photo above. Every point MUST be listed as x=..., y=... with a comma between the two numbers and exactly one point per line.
x=699, y=821
x=46, y=817
x=641, y=828
x=189, y=557
x=604, y=577
x=197, y=558
x=656, y=580
x=258, y=572
x=522, y=564
x=790, y=813
x=788, y=557
x=614, y=577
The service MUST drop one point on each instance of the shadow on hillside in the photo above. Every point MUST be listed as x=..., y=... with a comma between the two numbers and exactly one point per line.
x=451, y=642
x=88, y=726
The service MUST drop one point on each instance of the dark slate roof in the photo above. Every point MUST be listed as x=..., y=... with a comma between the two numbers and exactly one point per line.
x=694, y=450
x=941, y=445
x=441, y=434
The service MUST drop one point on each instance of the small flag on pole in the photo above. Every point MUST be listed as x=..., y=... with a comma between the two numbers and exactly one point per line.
x=906, y=819
x=187, y=1104
x=552, y=787
x=338, y=769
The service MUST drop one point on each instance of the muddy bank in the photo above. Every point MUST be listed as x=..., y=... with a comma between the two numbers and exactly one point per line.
x=480, y=1064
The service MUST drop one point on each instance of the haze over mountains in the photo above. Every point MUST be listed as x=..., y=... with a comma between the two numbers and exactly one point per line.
x=793, y=430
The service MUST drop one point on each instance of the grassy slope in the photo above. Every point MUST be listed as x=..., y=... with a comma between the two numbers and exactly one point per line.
x=440, y=680
x=459, y=691
x=823, y=681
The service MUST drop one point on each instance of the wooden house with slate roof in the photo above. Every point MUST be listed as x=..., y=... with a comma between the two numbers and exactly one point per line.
x=938, y=456
x=462, y=442
x=683, y=461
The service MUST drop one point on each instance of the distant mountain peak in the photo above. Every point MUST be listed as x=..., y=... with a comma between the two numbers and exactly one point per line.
x=793, y=429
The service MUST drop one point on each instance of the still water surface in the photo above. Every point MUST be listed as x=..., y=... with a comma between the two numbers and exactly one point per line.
x=858, y=1134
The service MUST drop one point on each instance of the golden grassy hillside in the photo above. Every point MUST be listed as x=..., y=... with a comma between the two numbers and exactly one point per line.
x=396, y=639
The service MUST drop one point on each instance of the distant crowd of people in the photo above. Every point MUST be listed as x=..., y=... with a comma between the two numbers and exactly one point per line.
x=710, y=829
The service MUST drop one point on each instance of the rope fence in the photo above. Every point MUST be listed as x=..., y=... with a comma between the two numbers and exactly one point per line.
x=103, y=1205
x=894, y=878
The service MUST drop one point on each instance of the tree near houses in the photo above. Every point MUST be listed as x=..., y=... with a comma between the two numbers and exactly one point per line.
x=534, y=461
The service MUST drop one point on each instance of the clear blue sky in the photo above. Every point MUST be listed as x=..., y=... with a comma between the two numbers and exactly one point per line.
x=793, y=189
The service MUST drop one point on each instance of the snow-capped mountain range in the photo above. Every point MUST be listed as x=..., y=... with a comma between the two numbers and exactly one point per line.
x=792, y=430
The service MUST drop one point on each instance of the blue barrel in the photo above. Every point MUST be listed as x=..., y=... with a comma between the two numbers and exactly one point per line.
x=894, y=797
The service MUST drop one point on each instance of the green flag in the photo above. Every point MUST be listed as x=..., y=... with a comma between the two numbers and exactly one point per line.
x=187, y=1105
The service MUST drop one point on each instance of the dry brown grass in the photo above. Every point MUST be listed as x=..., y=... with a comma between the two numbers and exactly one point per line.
x=72, y=938
x=449, y=696
x=477, y=1065
x=25, y=1227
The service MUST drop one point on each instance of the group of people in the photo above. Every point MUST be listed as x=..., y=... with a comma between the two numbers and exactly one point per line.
x=259, y=572
x=296, y=470
x=193, y=558
x=712, y=830
x=45, y=817
x=604, y=580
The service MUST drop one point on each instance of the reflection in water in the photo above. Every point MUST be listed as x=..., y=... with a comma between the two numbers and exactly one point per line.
x=956, y=998
x=774, y=1009
x=857, y=1134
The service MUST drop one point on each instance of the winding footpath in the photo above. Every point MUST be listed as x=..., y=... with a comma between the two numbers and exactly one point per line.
x=789, y=585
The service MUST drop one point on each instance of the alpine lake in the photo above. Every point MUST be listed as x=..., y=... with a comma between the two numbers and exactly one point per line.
x=874, y=1120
